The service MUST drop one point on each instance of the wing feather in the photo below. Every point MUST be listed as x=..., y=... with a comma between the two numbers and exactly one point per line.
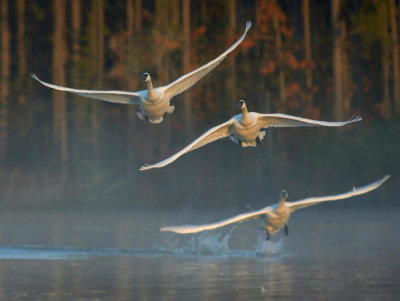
x=186, y=81
x=283, y=120
x=217, y=132
x=109, y=96
x=186, y=229
x=355, y=191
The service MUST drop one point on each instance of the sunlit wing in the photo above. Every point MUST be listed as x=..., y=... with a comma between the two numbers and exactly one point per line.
x=356, y=191
x=283, y=120
x=109, y=96
x=218, y=132
x=186, y=229
x=186, y=81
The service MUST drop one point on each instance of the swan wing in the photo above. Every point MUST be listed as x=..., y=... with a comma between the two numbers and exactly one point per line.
x=356, y=191
x=109, y=96
x=283, y=120
x=186, y=81
x=186, y=229
x=217, y=132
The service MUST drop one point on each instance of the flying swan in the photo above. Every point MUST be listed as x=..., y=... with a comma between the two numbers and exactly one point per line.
x=246, y=129
x=153, y=102
x=276, y=215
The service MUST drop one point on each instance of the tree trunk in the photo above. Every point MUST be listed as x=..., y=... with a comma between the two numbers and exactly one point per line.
x=337, y=61
x=231, y=79
x=186, y=63
x=59, y=59
x=357, y=59
x=76, y=40
x=21, y=50
x=395, y=54
x=5, y=78
x=138, y=16
x=345, y=69
x=385, y=41
x=100, y=42
x=278, y=48
x=307, y=50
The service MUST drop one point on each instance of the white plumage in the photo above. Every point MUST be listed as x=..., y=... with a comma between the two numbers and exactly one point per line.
x=246, y=129
x=276, y=215
x=153, y=102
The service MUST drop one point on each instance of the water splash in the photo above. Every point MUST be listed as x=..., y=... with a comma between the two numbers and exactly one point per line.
x=268, y=247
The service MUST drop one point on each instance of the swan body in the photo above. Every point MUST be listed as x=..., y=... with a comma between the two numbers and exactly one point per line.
x=154, y=103
x=247, y=129
x=276, y=216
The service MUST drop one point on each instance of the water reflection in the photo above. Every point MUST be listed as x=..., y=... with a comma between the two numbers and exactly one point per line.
x=114, y=259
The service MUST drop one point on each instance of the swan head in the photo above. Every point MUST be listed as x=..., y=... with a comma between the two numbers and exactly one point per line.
x=145, y=76
x=241, y=104
x=284, y=195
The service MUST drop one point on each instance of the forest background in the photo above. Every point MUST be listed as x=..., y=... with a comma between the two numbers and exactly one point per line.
x=321, y=59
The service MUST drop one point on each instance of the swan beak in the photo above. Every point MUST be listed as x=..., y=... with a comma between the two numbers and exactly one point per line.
x=284, y=194
x=145, y=76
x=240, y=103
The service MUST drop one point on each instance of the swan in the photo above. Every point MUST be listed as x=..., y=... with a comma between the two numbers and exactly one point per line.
x=153, y=102
x=246, y=130
x=276, y=215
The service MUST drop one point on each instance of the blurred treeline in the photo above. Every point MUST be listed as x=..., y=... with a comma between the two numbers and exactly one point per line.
x=318, y=59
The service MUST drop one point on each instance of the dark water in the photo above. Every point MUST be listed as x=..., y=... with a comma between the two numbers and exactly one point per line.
x=352, y=254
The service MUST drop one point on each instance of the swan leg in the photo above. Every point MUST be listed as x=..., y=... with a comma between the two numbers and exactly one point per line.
x=141, y=115
x=268, y=237
x=286, y=230
x=171, y=109
x=233, y=138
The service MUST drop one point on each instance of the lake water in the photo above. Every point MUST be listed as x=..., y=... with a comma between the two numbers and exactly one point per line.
x=330, y=254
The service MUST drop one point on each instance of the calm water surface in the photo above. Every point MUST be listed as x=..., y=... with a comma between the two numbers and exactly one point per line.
x=329, y=254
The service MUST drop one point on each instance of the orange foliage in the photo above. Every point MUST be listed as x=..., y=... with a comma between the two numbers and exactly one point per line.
x=294, y=90
x=247, y=44
x=198, y=32
x=291, y=60
x=312, y=112
x=287, y=31
x=269, y=68
x=380, y=109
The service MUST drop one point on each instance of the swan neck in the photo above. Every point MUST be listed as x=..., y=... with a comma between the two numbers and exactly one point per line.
x=281, y=204
x=150, y=90
x=245, y=114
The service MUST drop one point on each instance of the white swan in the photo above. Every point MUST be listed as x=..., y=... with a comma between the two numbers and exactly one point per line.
x=246, y=130
x=153, y=102
x=276, y=215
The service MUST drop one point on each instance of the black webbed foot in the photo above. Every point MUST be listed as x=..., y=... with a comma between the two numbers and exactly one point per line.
x=286, y=230
x=146, y=118
x=240, y=143
x=258, y=141
x=268, y=237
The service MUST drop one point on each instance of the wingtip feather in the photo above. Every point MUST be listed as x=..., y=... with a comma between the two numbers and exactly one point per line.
x=33, y=75
x=145, y=167
x=248, y=25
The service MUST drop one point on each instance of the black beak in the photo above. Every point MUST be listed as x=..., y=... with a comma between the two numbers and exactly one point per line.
x=144, y=76
x=284, y=194
x=240, y=103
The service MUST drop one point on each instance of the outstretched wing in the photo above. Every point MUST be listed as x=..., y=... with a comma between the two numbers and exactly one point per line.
x=110, y=96
x=186, y=81
x=356, y=191
x=218, y=132
x=236, y=219
x=283, y=120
